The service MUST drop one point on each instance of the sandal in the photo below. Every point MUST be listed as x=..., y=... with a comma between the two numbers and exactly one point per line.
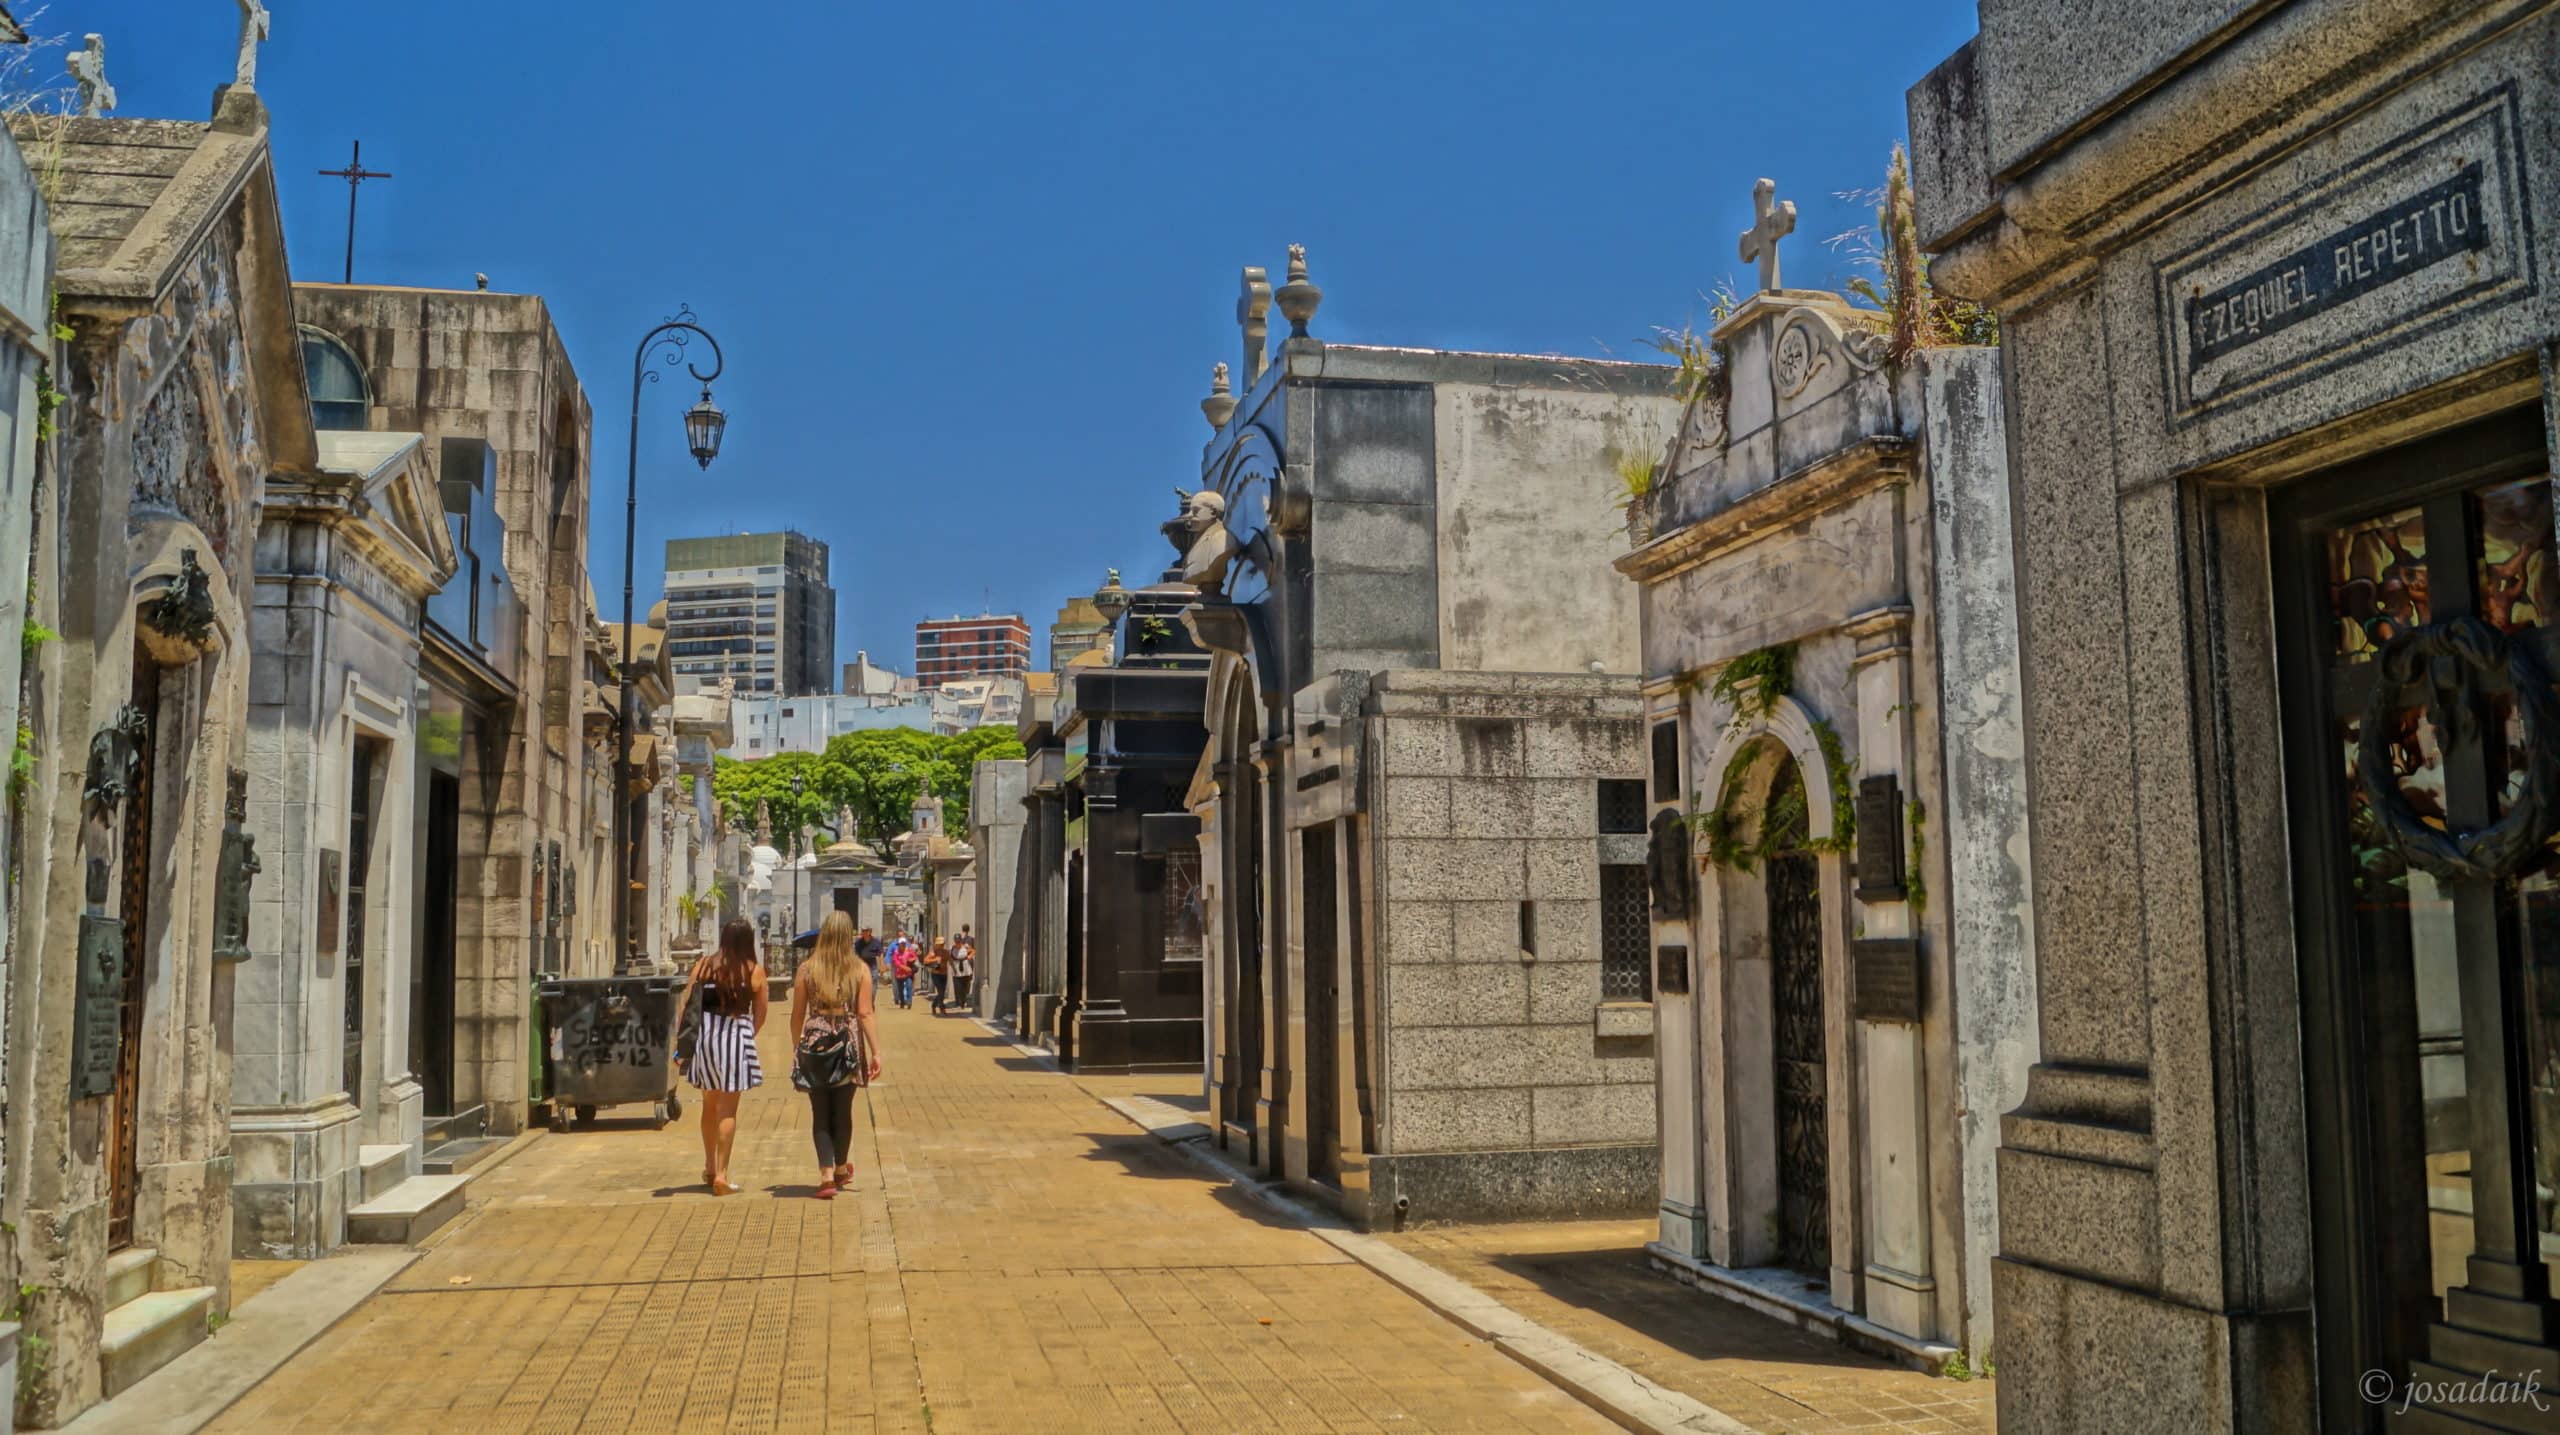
x=723, y=1188
x=844, y=1174
x=827, y=1192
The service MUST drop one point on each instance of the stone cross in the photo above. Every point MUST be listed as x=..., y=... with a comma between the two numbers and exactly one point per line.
x=253, y=28
x=89, y=67
x=1251, y=305
x=1772, y=220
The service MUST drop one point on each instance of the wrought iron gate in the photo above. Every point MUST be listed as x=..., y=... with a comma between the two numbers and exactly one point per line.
x=124, y=1156
x=1802, y=1072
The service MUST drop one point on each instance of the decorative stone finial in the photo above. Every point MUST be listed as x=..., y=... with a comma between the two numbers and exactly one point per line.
x=1299, y=297
x=253, y=28
x=1772, y=219
x=88, y=65
x=1251, y=306
x=1220, y=406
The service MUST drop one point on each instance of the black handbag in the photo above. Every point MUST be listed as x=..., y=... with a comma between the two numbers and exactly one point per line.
x=688, y=1027
x=828, y=1057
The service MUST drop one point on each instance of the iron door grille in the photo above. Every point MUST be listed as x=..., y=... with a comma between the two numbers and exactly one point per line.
x=1802, y=1070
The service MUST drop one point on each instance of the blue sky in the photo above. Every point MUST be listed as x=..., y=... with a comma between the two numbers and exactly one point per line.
x=971, y=263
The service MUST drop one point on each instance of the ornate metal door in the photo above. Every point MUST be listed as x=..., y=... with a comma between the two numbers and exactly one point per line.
x=124, y=1160
x=1802, y=1078
x=2421, y=640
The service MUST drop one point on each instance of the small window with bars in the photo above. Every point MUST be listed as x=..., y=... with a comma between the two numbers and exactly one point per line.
x=1622, y=804
x=1626, y=934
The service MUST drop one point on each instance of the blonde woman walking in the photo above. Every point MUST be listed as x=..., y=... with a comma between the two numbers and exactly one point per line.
x=837, y=1049
x=730, y=985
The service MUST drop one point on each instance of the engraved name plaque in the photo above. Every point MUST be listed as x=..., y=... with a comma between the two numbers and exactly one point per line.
x=96, y=1024
x=2428, y=227
x=1884, y=978
x=1880, y=840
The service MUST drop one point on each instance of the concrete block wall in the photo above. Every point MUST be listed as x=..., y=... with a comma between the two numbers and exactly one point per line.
x=1500, y=1097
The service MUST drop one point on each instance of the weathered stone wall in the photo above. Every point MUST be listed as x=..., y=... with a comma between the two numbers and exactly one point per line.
x=164, y=444
x=996, y=817
x=2157, y=1183
x=491, y=366
x=1505, y=1089
x=335, y=647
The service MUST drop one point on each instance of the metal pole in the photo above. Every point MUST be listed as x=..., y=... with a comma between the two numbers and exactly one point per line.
x=626, y=850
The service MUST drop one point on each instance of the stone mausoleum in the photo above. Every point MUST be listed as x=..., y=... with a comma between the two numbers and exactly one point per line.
x=1840, y=917
x=1421, y=804
x=2279, y=290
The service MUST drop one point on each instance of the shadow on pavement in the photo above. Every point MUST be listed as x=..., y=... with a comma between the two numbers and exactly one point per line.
x=1619, y=1286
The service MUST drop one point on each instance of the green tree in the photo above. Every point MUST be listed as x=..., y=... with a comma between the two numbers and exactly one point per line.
x=877, y=774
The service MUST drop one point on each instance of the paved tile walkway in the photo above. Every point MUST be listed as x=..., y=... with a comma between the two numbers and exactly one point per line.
x=1588, y=1281
x=1014, y=1258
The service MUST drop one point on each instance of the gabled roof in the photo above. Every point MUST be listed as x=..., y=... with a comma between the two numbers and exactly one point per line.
x=132, y=201
x=132, y=198
x=386, y=485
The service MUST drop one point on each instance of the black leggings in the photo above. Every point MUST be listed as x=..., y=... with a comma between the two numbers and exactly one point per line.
x=831, y=1123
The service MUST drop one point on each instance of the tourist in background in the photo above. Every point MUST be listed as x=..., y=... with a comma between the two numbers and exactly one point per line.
x=964, y=970
x=837, y=1049
x=902, y=971
x=937, y=968
x=730, y=985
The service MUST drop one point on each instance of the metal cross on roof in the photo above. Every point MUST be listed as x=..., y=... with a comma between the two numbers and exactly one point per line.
x=354, y=174
x=1772, y=220
x=253, y=28
x=88, y=65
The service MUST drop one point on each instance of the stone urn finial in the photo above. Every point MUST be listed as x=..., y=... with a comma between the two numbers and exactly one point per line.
x=1299, y=297
x=1221, y=404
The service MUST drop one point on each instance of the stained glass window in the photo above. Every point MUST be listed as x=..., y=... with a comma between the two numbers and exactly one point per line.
x=2377, y=580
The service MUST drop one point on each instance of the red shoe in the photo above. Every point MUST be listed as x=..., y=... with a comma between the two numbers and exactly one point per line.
x=827, y=1192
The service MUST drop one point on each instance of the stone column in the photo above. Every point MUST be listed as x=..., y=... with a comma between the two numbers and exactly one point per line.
x=1678, y=1040
x=1280, y=1109
x=1895, y=1288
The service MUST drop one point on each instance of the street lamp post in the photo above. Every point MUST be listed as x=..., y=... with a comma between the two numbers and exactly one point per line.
x=703, y=425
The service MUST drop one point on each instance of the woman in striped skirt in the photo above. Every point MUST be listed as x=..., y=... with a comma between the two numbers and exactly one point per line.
x=730, y=985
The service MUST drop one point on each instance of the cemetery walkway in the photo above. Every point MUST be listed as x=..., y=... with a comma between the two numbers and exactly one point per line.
x=1013, y=1258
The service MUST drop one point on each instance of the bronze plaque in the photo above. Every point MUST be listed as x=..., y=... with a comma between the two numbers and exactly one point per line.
x=1884, y=974
x=327, y=944
x=1880, y=840
x=96, y=1025
x=1671, y=970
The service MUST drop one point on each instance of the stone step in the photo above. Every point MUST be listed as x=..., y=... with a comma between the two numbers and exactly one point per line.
x=468, y=1122
x=384, y=1168
x=148, y=1332
x=128, y=1276
x=456, y=1157
x=403, y=1215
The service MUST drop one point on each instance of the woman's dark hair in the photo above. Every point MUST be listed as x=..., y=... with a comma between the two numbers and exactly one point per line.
x=732, y=969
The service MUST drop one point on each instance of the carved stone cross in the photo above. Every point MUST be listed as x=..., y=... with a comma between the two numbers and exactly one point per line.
x=89, y=66
x=1772, y=219
x=253, y=28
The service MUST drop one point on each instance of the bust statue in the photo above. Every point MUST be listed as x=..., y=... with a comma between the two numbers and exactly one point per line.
x=1201, y=536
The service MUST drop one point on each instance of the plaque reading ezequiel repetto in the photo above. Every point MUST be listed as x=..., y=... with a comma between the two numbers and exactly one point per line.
x=2398, y=241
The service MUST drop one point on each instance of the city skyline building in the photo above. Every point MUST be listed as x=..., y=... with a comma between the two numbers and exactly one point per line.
x=1078, y=628
x=990, y=645
x=755, y=608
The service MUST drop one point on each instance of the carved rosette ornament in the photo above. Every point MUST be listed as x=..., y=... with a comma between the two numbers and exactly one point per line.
x=2451, y=656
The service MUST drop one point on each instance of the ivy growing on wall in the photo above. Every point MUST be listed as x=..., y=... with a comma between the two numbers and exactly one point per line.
x=1753, y=684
